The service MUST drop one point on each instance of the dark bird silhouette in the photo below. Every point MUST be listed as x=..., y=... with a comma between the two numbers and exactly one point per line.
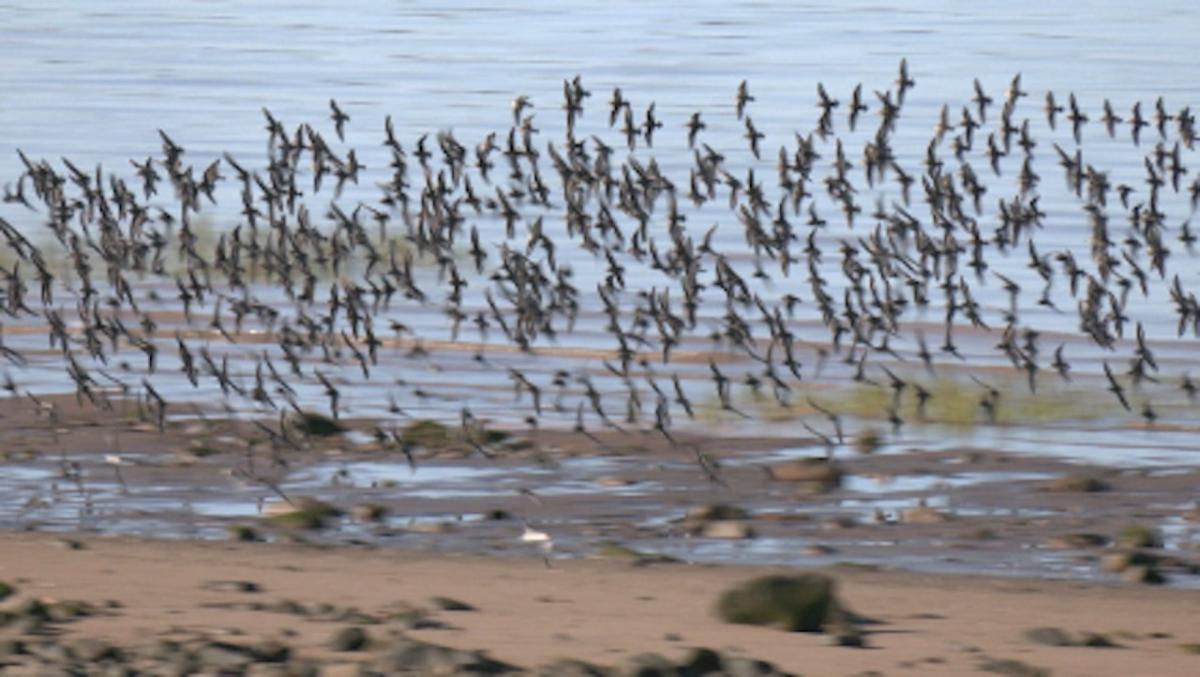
x=743, y=97
x=339, y=120
x=1114, y=387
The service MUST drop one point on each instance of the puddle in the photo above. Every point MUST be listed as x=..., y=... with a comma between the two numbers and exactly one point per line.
x=1179, y=534
x=1168, y=450
x=440, y=481
x=1120, y=448
x=225, y=508
x=16, y=473
x=914, y=483
x=366, y=474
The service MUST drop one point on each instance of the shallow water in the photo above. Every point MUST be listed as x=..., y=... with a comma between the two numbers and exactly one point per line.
x=587, y=502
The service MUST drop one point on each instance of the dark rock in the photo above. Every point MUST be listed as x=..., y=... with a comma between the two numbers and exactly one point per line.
x=1079, y=541
x=1096, y=640
x=426, y=433
x=717, y=511
x=795, y=603
x=369, y=512
x=11, y=647
x=29, y=625
x=570, y=667
x=815, y=473
x=33, y=609
x=310, y=668
x=612, y=550
x=650, y=665
x=352, y=615
x=868, y=442
x=923, y=514
x=45, y=670
x=223, y=656
x=231, y=586
x=50, y=652
x=451, y=604
x=849, y=636
x=723, y=529
x=417, y=619
x=749, y=667
x=1012, y=668
x=1048, y=636
x=91, y=650
x=1137, y=536
x=272, y=651
x=416, y=656
x=182, y=663
x=290, y=606
x=68, y=610
x=702, y=661
x=1143, y=574
x=243, y=532
x=348, y=639
x=304, y=512
x=1076, y=483
x=162, y=649
x=1120, y=561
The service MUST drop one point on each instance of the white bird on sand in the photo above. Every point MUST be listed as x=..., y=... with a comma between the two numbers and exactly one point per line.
x=543, y=540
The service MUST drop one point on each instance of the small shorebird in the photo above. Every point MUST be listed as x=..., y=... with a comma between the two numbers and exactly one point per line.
x=116, y=462
x=542, y=539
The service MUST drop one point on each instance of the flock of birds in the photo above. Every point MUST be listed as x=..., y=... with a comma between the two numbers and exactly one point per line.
x=713, y=267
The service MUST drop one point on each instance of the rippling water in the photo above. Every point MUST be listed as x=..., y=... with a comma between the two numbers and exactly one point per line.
x=93, y=82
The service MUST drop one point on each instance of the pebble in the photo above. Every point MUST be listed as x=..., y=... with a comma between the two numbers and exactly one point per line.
x=924, y=515
x=224, y=656
x=725, y=529
x=352, y=638
x=231, y=586
x=451, y=604
x=91, y=650
x=272, y=651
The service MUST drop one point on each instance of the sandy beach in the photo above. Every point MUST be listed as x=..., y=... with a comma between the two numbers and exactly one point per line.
x=527, y=615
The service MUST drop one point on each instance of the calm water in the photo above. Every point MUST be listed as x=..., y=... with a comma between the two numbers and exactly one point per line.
x=93, y=81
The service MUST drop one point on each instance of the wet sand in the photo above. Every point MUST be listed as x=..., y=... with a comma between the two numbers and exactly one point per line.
x=639, y=554
x=604, y=612
x=936, y=507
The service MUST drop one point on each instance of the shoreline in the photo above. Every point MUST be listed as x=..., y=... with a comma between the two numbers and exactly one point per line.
x=955, y=509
